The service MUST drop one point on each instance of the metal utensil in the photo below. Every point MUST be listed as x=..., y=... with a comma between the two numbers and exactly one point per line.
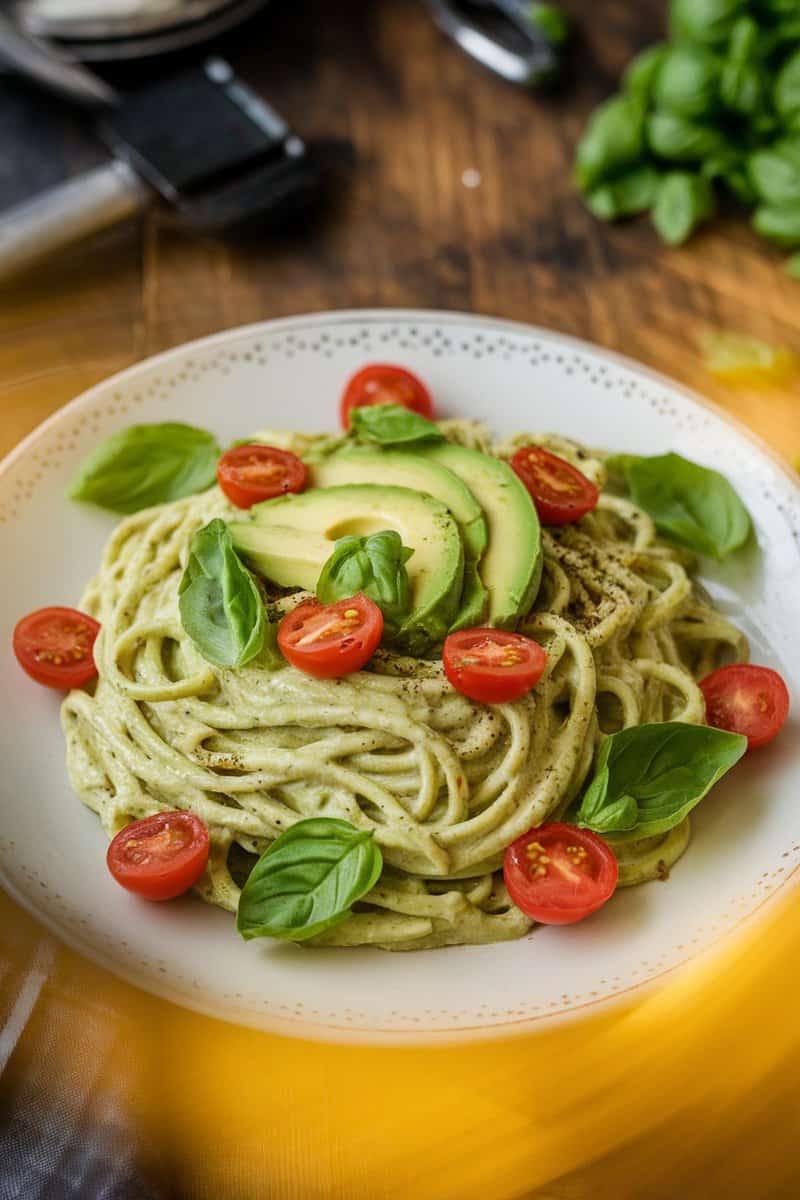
x=502, y=36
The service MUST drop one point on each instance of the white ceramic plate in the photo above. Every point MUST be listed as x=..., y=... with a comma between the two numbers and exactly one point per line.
x=290, y=373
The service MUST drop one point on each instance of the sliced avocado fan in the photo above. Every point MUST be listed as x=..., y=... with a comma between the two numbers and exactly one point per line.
x=289, y=539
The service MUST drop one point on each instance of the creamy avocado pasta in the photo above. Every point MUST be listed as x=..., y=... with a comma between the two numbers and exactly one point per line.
x=394, y=805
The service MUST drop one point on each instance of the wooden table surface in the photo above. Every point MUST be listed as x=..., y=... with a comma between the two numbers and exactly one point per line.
x=494, y=1122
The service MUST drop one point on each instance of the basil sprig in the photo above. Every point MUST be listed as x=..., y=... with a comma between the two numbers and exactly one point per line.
x=689, y=503
x=374, y=565
x=308, y=880
x=649, y=777
x=392, y=425
x=145, y=465
x=220, y=605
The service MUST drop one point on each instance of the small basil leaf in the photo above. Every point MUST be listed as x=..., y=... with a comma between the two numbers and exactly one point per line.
x=552, y=20
x=661, y=771
x=792, y=266
x=743, y=88
x=682, y=203
x=626, y=195
x=677, y=138
x=708, y=22
x=613, y=140
x=220, y=605
x=688, y=81
x=595, y=796
x=775, y=174
x=374, y=565
x=692, y=504
x=145, y=465
x=308, y=880
x=640, y=74
x=392, y=425
x=779, y=225
x=786, y=93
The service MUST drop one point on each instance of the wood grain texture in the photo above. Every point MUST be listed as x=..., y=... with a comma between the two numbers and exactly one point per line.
x=406, y=231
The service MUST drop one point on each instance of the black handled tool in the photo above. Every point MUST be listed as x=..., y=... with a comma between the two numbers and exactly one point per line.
x=220, y=157
x=503, y=35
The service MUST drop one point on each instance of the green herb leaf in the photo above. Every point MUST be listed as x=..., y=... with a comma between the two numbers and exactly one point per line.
x=775, y=173
x=552, y=20
x=689, y=503
x=786, y=93
x=688, y=81
x=779, y=225
x=640, y=74
x=625, y=196
x=220, y=605
x=654, y=775
x=374, y=565
x=308, y=880
x=730, y=167
x=792, y=266
x=677, y=138
x=613, y=140
x=708, y=22
x=392, y=425
x=683, y=201
x=145, y=465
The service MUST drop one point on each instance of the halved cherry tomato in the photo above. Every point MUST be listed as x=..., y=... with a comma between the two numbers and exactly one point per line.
x=746, y=699
x=160, y=857
x=562, y=494
x=559, y=874
x=252, y=473
x=329, y=640
x=380, y=383
x=492, y=666
x=54, y=645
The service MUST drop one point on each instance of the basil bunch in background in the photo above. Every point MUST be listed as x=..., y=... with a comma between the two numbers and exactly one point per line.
x=649, y=777
x=308, y=880
x=145, y=465
x=691, y=504
x=374, y=565
x=712, y=113
x=221, y=607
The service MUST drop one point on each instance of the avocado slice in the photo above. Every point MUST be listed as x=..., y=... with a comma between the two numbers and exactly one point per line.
x=289, y=539
x=403, y=468
x=511, y=566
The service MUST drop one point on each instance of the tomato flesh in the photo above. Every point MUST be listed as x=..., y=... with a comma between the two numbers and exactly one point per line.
x=492, y=666
x=329, y=640
x=381, y=383
x=54, y=646
x=748, y=699
x=562, y=494
x=558, y=874
x=160, y=857
x=252, y=473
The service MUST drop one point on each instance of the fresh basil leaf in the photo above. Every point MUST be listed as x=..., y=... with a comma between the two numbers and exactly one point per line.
x=220, y=605
x=708, y=22
x=792, y=266
x=775, y=174
x=692, y=504
x=677, y=138
x=786, y=92
x=626, y=195
x=613, y=140
x=688, y=81
x=656, y=775
x=392, y=425
x=779, y=225
x=145, y=465
x=730, y=167
x=374, y=565
x=308, y=880
x=641, y=72
x=552, y=20
x=682, y=203
x=743, y=88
